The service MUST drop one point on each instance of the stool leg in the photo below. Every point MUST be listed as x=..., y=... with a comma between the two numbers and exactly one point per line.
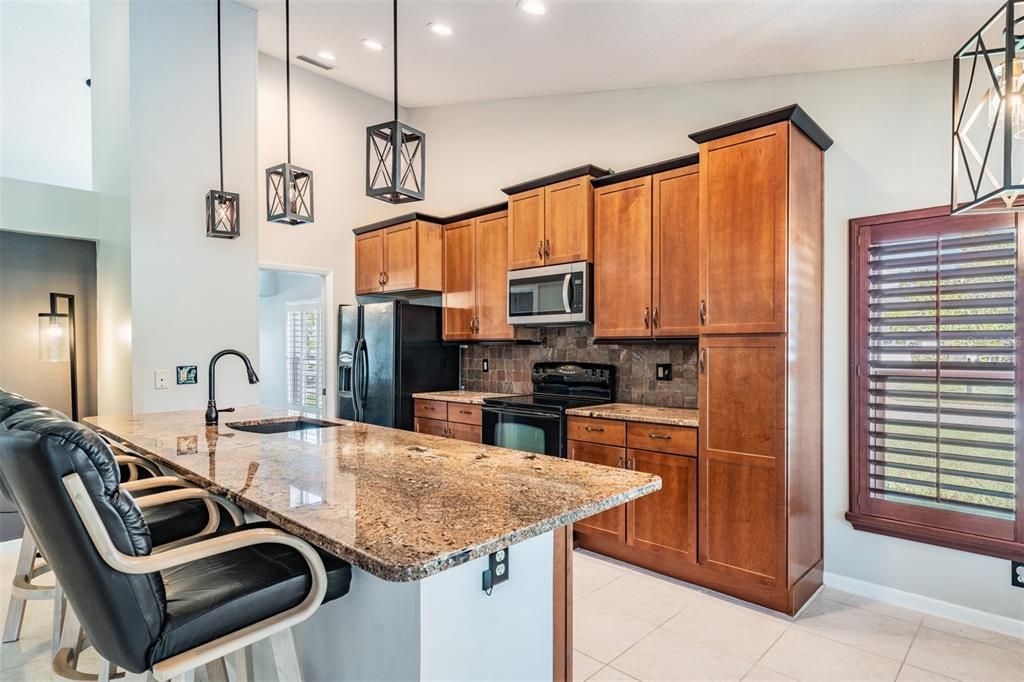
x=59, y=608
x=243, y=665
x=217, y=671
x=16, y=607
x=107, y=671
x=286, y=659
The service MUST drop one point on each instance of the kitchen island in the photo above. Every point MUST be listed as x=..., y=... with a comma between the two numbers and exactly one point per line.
x=417, y=516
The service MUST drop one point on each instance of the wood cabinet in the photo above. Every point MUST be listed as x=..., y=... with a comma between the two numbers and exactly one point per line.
x=666, y=522
x=611, y=523
x=646, y=255
x=403, y=258
x=551, y=224
x=460, y=421
x=475, y=279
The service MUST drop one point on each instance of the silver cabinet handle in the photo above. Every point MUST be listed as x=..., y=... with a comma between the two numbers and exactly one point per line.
x=655, y=317
x=660, y=436
x=702, y=310
x=540, y=249
x=547, y=247
x=647, y=318
x=599, y=429
x=703, y=359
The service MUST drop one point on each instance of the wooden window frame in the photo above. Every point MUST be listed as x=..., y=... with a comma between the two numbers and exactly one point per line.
x=979, y=535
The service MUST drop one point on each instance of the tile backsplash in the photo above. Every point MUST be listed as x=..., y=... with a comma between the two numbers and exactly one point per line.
x=634, y=365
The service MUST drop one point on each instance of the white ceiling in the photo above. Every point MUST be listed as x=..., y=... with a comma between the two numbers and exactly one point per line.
x=500, y=52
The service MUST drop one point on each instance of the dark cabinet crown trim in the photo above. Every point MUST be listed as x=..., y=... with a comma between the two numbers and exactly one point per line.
x=649, y=169
x=398, y=220
x=792, y=113
x=590, y=169
x=476, y=213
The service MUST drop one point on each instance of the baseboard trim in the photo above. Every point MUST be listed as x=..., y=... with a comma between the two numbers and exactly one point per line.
x=928, y=605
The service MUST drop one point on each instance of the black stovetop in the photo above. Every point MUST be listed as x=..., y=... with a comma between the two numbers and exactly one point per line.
x=558, y=386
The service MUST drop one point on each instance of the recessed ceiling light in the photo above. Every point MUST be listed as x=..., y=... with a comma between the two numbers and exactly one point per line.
x=532, y=6
x=371, y=44
x=441, y=29
x=324, y=54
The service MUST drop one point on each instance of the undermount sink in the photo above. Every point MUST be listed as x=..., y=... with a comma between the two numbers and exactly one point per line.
x=280, y=425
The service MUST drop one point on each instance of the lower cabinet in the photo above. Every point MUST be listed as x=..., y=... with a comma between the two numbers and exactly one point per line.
x=460, y=421
x=665, y=522
x=612, y=523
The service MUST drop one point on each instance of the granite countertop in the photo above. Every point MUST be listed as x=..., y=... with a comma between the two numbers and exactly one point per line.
x=398, y=504
x=471, y=397
x=630, y=412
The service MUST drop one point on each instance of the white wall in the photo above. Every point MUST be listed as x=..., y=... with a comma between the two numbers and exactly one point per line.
x=891, y=127
x=46, y=137
x=329, y=138
x=190, y=295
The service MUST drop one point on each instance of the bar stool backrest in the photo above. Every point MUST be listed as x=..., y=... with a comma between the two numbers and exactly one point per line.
x=122, y=614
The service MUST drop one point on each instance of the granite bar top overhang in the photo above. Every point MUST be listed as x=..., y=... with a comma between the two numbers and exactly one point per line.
x=397, y=504
x=468, y=397
x=631, y=412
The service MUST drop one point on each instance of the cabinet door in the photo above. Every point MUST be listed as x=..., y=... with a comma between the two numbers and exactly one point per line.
x=526, y=229
x=568, y=221
x=743, y=188
x=369, y=262
x=666, y=521
x=400, y=257
x=676, y=258
x=742, y=393
x=459, y=298
x=622, y=259
x=492, y=277
x=432, y=427
x=466, y=432
x=612, y=523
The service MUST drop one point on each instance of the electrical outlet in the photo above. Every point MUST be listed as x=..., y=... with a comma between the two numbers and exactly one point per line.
x=663, y=372
x=486, y=366
x=161, y=379
x=1017, y=573
x=497, y=572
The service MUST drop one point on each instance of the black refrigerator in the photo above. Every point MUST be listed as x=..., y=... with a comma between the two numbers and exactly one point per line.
x=387, y=352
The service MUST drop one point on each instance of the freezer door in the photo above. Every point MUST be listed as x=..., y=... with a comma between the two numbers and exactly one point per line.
x=348, y=338
x=375, y=364
x=424, y=362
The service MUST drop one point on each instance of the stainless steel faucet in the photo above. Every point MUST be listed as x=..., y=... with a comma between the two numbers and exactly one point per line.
x=212, y=413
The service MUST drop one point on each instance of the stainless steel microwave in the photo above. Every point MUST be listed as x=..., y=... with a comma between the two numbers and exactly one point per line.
x=551, y=295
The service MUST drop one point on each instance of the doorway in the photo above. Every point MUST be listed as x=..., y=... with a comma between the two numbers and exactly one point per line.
x=293, y=341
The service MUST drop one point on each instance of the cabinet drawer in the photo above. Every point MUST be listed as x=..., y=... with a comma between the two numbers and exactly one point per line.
x=433, y=427
x=605, y=431
x=675, y=440
x=431, y=409
x=466, y=432
x=465, y=414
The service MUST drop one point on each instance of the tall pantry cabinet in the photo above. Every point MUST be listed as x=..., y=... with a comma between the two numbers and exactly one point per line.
x=759, y=364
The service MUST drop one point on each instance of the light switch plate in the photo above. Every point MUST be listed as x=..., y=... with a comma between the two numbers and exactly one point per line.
x=162, y=379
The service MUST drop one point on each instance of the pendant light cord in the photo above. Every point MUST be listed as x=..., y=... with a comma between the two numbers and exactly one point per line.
x=288, y=73
x=394, y=39
x=220, y=103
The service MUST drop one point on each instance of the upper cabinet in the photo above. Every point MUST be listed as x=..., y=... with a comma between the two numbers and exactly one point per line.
x=399, y=256
x=551, y=219
x=646, y=251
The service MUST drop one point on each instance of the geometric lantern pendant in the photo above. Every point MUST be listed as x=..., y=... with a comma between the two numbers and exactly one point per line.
x=289, y=194
x=396, y=153
x=988, y=117
x=222, y=214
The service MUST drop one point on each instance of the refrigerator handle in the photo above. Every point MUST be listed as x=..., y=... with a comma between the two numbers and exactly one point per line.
x=357, y=381
x=365, y=356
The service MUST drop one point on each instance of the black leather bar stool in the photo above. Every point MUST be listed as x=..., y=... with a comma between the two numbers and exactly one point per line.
x=171, y=611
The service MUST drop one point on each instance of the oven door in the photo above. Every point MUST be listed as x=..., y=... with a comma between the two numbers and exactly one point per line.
x=528, y=430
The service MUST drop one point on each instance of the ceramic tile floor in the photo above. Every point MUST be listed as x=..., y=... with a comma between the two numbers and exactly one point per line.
x=635, y=625
x=630, y=624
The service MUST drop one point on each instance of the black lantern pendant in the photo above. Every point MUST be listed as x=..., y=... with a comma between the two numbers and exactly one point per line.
x=221, y=207
x=395, y=152
x=289, y=188
x=988, y=117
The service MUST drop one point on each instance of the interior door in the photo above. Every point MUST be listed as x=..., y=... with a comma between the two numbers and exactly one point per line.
x=743, y=181
x=568, y=217
x=676, y=262
x=491, y=277
x=612, y=523
x=742, y=397
x=369, y=262
x=459, y=284
x=526, y=229
x=666, y=521
x=400, y=257
x=622, y=259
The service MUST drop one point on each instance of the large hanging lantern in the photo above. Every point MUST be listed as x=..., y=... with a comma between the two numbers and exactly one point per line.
x=221, y=207
x=396, y=153
x=289, y=188
x=988, y=117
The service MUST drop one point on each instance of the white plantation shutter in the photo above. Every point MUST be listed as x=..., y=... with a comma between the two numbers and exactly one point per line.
x=304, y=356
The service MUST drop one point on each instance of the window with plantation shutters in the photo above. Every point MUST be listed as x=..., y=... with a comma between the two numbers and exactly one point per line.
x=304, y=353
x=935, y=315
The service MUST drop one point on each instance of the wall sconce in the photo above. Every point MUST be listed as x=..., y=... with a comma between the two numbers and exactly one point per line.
x=57, y=341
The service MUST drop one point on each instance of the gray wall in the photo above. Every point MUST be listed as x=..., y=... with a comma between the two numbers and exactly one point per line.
x=31, y=267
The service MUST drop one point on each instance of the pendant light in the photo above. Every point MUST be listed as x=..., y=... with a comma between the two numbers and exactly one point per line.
x=395, y=152
x=221, y=207
x=289, y=188
x=988, y=116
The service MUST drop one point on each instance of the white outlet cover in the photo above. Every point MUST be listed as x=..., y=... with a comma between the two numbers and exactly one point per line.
x=162, y=379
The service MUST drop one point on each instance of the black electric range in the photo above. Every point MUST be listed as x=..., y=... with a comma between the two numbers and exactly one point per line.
x=536, y=422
